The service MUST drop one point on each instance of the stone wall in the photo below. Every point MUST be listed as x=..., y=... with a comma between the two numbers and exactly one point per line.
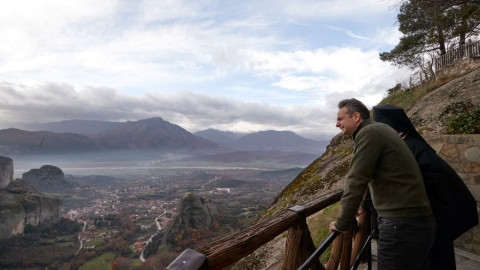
x=462, y=152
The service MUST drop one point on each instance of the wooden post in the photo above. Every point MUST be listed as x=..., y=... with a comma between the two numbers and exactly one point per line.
x=469, y=48
x=346, y=250
x=341, y=251
x=334, y=260
x=299, y=244
x=361, y=235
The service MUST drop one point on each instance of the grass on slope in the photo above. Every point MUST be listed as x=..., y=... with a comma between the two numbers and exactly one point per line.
x=405, y=99
x=102, y=262
x=318, y=226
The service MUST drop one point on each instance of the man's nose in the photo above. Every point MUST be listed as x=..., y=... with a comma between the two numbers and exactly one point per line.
x=338, y=124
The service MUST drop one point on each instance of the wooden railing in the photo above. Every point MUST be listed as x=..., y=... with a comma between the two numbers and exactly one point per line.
x=464, y=51
x=228, y=250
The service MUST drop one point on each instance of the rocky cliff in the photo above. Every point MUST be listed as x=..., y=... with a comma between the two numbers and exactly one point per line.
x=22, y=205
x=6, y=171
x=195, y=214
x=47, y=179
x=455, y=96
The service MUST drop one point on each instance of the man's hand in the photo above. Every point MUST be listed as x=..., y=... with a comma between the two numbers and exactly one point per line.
x=332, y=227
x=360, y=211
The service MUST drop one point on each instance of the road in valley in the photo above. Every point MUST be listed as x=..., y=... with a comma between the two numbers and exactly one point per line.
x=159, y=228
x=80, y=237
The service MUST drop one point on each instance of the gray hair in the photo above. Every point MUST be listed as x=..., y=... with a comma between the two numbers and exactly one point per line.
x=354, y=105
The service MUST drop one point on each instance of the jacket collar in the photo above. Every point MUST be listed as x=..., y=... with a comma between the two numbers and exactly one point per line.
x=364, y=123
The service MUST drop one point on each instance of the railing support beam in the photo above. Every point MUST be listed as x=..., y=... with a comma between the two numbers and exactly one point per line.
x=299, y=244
x=346, y=250
x=364, y=229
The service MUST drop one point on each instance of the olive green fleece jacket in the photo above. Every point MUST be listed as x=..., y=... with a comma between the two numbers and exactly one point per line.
x=382, y=164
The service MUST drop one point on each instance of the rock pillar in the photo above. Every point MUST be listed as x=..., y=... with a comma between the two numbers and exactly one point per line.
x=6, y=171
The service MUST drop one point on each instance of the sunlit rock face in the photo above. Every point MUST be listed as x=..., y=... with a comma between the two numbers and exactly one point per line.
x=12, y=215
x=22, y=205
x=6, y=171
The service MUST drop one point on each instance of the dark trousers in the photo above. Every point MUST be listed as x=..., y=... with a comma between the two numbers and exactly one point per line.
x=404, y=243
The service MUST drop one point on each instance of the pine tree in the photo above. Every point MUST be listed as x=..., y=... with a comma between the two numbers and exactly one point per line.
x=430, y=27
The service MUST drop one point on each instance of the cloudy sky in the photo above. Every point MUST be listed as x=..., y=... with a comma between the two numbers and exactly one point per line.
x=244, y=66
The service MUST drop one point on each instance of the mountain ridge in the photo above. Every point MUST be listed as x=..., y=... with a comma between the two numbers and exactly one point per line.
x=287, y=141
x=156, y=134
x=147, y=134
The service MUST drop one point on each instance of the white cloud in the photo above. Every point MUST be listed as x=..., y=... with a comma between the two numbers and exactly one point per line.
x=166, y=10
x=331, y=70
x=348, y=32
x=388, y=36
x=197, y=64
x=324, y=8
x=51, y=102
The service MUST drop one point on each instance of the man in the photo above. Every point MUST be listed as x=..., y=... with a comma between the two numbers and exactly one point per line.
x=382, y=166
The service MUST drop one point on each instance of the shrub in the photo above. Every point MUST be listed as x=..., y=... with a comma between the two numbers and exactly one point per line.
x=465, y=122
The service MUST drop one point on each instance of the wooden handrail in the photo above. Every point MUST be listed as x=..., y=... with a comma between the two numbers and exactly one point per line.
x=228, y=250
x=469, y=50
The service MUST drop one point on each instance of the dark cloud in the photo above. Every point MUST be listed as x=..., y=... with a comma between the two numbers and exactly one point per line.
x=55, y=102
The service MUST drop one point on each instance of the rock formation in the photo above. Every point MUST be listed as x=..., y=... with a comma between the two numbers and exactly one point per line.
x=22, y=205
x=195, y=213
x=428, y=113
x=47, y=179
x=6, y=171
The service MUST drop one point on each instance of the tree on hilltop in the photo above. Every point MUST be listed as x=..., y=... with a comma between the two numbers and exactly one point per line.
x=429, y=28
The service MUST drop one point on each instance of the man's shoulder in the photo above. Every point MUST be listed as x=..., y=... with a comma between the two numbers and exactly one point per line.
x=374, y=127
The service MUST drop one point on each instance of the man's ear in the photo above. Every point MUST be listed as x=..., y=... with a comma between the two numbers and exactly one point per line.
x=356, y=116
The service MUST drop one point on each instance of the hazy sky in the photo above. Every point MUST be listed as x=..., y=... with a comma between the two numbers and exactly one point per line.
x=243, y=65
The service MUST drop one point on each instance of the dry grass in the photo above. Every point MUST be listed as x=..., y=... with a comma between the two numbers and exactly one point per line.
x=318, y=226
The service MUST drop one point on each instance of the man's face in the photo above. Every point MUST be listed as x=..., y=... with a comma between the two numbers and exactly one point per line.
x=348, y=124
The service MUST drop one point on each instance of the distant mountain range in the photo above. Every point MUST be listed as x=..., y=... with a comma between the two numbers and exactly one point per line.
x=74, y=136
x=222, y=137
x=156, y=135
x=286, y=141
x=18, y=142
x=83, y=127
